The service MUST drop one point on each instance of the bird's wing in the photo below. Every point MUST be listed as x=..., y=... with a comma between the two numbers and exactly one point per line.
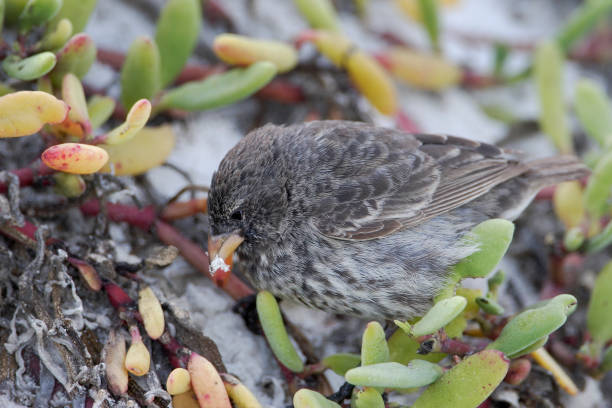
x=371, y=182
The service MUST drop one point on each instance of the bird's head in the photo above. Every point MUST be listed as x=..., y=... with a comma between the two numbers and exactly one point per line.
x=249, y=196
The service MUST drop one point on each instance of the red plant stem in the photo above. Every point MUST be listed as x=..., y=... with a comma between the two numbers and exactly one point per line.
x=28, y=175
x=182, y=209
x=199, y=259
x=142, y=218
x=405, y=123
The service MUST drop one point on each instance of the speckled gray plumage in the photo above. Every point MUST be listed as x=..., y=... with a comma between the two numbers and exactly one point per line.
x=362, y=220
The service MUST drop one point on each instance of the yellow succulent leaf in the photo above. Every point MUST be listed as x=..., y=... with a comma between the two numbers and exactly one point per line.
x=568, y=204
x=334, y=46
x=24, y=113
x=411, y=7
x=424, y=71
x=75, y=158
x=373, y=82
x=149, y=148
x=241, y=50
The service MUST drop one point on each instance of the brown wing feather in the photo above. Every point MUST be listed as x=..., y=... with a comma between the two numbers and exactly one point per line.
x=386, y=180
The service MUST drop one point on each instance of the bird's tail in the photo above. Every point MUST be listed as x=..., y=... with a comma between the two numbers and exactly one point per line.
x=553, y=170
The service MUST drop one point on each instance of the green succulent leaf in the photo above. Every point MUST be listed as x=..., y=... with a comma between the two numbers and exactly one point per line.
x=12, y=10
x=220, y=89
x=594, y=111
x=374, y=347
x=489, y=305
x=598, y=188
x=468, y=383
x=367, y=398
x=600, y=307
x=2, y=12
x=140, y=74
x=320, y=14
x=529, y=349
x=342, y=362
x=100, y=109
x=30, y=68
x=492, y=238
x=77, y=11
x=601, y=240
x=573, y=239
x=37, y=12
x=429, y=13
x=442, y=313
x=531, y=325
x=311, y=399
x=76, y=56
x=69, y=185
x=606, y=361
x=274, y=329
x=417, y=373
x=582, y=21
x=548, y=74
x=57, y=37
x=403, y=349
x=176, y=36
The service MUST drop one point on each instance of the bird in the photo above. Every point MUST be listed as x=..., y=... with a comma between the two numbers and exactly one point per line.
x=361, y=220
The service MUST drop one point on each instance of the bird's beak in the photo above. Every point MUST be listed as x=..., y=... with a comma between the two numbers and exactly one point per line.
x=223, y=245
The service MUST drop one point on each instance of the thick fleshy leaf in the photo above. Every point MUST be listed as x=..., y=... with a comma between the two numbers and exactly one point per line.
x=468, y=383
x=37, y=12
x=533, y=324
x=305, y=398
x=136, y=119
x=367, y=398
x=74, y=95
x=274, y=329
x=600, y=307
x=23, y=113
x=333, y=45
x=568, y=203
x=598, y=188
x=429, y=15
x=75, y=158
x=114, y=357
x=207, y=384
x=220, y=89
x=417, y=373
x=548, y=73
x=319, y=13
x=100, y=109
x=30, y=68
x=594, y=111
x=492, y=238
x=58, y=37
x=76, y=56
x=442, y=313
x=138, y=358
x=403, y=349
x=151, y=312
x=489, y=305
x=149, y=148
x=77, y=11
x=140, y=74
x=12, y=10
x=69, y=185
x=429, y=72
x=240, y=395
x=342, y=362
x=372, y=81
x=601, y=240
x=374, y=347
x=178, y=382
x=176, y=36
x=582, y=21
x=240, y=50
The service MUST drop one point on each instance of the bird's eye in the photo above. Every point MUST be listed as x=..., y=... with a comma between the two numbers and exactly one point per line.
x=236, y=215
